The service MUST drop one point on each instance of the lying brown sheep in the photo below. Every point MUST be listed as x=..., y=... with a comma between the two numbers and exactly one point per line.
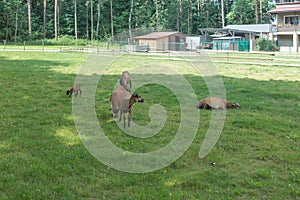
x=122, y=100
x=216, y=103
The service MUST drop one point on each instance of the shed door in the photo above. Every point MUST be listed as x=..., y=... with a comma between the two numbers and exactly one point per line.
x=177, y=43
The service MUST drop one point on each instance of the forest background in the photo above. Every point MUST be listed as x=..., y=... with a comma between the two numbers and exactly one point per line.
x=101, y=20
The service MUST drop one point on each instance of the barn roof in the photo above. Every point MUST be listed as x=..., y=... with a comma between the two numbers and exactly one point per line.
x=156, y=35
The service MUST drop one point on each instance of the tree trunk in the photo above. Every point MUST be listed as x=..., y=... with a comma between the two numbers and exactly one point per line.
x=87, y=19
x=29, y=18
x=129, y=20
x=198, y=8
x=112, y=22
x=7, y=25
x=98, y=19
x=179, y=18
x=92, y=24
x=16, y=28
x=75, y=20
x=45, y=10
x=55, y=19
x=223, y=18
x=58, y=16
x=260, y=11
x=190, y=15
x=156, y=5
x=256, y=13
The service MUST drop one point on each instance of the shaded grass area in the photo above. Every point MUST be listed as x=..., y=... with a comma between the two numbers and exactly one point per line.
x=257, y=155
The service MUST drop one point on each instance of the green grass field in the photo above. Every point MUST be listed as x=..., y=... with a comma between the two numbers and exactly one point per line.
x=42, y=156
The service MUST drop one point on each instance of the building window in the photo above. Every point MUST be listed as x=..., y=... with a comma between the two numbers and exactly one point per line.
x=292, y=20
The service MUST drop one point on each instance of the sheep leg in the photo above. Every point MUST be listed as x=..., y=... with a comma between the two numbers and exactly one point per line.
x=129, y=118
x=124, y=119
x=120, y=116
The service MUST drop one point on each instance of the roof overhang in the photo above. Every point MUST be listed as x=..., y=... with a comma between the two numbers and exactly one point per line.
x=228, y=38
x=249, y=28
x=156, y=35
x=285, y=9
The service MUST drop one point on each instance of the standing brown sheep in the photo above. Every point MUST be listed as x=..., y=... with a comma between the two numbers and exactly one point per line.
x=122, y=100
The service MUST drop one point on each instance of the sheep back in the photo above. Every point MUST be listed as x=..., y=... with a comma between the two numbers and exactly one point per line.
x=120, y=100
x=212, y=103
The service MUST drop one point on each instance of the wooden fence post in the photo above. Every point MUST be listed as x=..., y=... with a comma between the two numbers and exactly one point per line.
x=4, y=41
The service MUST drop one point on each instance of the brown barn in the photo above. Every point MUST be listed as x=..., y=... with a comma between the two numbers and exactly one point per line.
x=162, y=41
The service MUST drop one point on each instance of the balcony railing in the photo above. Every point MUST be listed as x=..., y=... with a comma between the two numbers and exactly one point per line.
x=286, y=28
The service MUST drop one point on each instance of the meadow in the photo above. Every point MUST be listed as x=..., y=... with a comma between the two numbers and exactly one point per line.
x=43, y=157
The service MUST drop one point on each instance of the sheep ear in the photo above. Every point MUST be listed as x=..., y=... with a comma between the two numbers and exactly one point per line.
x=207, y=107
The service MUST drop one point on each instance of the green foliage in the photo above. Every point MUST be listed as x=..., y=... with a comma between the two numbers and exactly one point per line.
x=66, y=40
x=243, y=12
x=187, y=17
x=264, y=44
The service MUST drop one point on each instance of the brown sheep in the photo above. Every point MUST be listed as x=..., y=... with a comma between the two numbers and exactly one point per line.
x=74, y=90
x=122, y=100
x=216, y=103
x=125, y=80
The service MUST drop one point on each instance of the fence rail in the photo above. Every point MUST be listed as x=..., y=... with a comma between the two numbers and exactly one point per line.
x=249, y=58
x=256, y=58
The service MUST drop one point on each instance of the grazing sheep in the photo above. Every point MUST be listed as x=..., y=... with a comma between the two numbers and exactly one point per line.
x=74, y=90
x=121, y=99
x=125, y=80
x=216, y=103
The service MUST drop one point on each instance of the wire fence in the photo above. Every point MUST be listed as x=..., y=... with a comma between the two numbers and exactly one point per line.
x=234, y=46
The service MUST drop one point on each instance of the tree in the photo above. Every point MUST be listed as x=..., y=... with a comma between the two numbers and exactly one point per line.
x=75, y=20
x=87, y=19
x=35, y=19
x=92, y=23
x=179, y=18
x=223, y=17
x=242, y=6
x=190, y=17
x=260, y=9
x=98, y=19
x=156, y=14
x=58, y=16
x=44, y=18
x=29, y=17
x=129, y=20
x=112, y=21
x=256, y=12
x=16, y=25
x=55, y=20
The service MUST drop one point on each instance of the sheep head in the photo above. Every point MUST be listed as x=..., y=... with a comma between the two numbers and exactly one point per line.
x=136, y=98
x=234, y=105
